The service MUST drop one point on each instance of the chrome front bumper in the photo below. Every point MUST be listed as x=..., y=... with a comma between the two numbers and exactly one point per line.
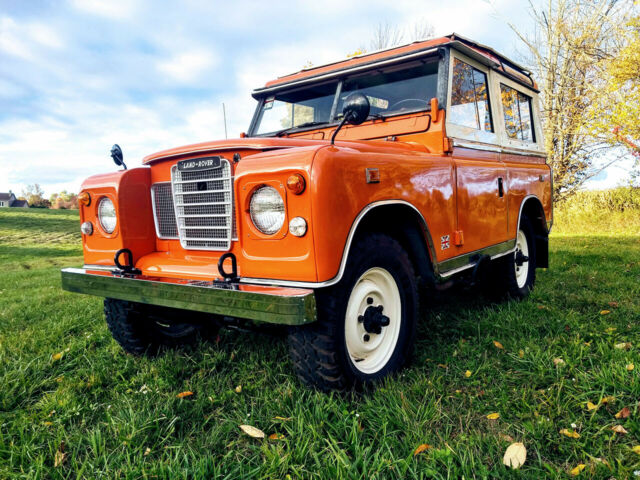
x=279, y=305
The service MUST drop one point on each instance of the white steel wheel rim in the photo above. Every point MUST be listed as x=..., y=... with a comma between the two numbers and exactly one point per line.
x=370, y=356
x=522, y=271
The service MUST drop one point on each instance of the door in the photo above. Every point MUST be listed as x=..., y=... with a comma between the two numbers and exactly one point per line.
x=480, y=175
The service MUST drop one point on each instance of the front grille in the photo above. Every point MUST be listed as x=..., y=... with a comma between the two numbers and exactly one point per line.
x=164, y=213
x=203, y=202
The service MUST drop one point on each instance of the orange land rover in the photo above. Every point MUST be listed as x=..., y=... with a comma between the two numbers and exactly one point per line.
x=358, y=184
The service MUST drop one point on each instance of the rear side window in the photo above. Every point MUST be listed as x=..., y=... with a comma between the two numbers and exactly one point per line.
x=469, y=98
x=517, y=114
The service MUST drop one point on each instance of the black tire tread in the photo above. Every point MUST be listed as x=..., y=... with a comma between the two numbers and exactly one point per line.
x=315, y=349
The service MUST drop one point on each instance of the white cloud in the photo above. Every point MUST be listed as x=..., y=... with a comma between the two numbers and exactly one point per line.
x=187, y=67
x=113, y=9
x=10, y=40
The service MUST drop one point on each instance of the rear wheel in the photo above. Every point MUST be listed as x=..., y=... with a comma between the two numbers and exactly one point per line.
x=143, y=329
x=366, y=323
x=516, y=272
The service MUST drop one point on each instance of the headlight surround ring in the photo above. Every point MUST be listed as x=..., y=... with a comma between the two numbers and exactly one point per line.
x=107, y=215
x=267, y=210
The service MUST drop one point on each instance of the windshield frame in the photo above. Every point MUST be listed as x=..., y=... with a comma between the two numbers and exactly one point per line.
x=334, y=116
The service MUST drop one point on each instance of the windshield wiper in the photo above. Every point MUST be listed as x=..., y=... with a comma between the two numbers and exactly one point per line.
x=279, y=133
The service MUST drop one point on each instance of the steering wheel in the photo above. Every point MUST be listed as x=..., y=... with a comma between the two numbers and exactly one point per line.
x=417, y=101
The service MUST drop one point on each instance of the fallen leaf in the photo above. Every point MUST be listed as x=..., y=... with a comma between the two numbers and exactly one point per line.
x=605, y=312
x=283, y=419
x=498, y=345
x=515, y=455
x=56, y=356
x=624, y=413
x=623, y=346
x=276, y=436
x=636, y=449
x=442, y=365
x=184, y=394
x=619, y=429
x=252, y=431
x=610, y=329
x=613, y=304
x=47, y=424
x=569, y=433
x=421, y=448
x=630, y=366
x=147, y=451
x=467, y=373
x=521, y=353
x=608, y=399
x=576, y=471
x=493, y=416
x=60, y=456
x=592, y=406
x=239, y=389
x=541, y=307
x=558, y=361
x=506, y=438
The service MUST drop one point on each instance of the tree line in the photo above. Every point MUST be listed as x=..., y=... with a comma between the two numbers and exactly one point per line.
x=61, y=201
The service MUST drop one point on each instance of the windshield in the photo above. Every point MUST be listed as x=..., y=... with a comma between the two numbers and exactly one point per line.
x=286, y=110
x=391, y=91
x=394, y=91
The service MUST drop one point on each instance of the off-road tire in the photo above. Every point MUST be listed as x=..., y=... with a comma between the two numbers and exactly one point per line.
x=506, y=282
x=141, y=329
x=319, y=350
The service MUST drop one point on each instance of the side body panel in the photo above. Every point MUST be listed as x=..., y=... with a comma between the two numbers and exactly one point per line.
x=482, y=211
x=340, y=193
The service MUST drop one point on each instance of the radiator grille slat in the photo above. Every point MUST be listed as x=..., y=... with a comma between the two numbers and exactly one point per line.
x=203, y=202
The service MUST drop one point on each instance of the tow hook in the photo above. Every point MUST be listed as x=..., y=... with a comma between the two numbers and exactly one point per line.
x=373, y=319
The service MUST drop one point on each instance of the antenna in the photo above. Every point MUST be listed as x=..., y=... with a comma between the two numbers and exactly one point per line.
x=224, y=115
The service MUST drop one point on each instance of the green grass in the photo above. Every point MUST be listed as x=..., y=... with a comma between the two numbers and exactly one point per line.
x=119, y=417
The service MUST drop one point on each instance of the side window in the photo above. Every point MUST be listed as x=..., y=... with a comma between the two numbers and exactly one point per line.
x=517, y=114
x=469, y=98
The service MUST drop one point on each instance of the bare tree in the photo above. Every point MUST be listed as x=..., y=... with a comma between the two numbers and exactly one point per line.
x=387, y=35
x=569, y=49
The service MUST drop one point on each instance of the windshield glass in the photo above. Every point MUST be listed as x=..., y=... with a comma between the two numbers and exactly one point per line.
x=394, y=91
x=290, y=109
x=391, y=91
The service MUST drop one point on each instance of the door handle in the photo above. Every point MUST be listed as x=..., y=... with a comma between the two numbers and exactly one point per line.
x=500, y=187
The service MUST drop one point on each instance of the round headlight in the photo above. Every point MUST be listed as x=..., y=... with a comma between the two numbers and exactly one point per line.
x=107, y=215
x=267, y=210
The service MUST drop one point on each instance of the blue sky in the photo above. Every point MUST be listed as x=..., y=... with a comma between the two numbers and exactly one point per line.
x=77, y=76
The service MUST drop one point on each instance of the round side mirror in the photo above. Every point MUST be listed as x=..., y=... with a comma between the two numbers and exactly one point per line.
x=116, y=154
x=356, y=108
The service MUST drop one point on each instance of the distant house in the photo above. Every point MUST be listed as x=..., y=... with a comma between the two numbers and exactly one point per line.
x=9, y=200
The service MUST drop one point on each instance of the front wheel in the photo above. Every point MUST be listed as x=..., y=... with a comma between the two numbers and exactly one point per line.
x=366, y=323
x=143, y=329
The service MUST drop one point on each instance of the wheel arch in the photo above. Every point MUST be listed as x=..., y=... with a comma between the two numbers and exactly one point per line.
x=532, y=208
x=402, y=221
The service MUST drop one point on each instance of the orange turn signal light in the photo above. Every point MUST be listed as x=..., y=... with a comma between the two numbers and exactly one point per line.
x=84, y=199
x=296, y=183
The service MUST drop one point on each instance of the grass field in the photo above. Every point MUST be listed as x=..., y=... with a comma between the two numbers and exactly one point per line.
x=68, y=388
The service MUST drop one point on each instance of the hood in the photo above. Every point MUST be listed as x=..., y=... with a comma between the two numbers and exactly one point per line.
x=275, y=143
x=252, y=143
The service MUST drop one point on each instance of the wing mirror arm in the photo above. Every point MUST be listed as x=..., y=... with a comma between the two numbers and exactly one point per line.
x=355, y=111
